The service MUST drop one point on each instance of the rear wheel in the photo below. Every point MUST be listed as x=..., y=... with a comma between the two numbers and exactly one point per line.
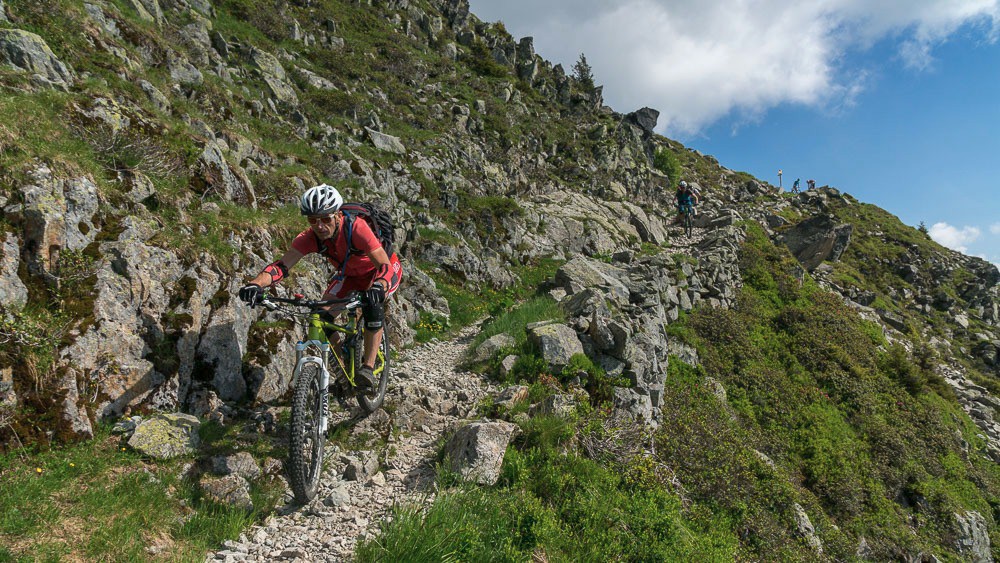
x=305, y=447
x=371, y=399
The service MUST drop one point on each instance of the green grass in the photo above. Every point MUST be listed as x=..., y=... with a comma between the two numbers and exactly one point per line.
x=98, y=501
x=512, y=321
x=556, y=506
x=855, y=425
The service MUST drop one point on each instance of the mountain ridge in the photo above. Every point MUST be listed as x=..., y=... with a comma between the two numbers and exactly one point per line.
x=153, y=150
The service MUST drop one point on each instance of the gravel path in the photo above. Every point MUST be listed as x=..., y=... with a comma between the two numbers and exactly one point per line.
x=427, y=396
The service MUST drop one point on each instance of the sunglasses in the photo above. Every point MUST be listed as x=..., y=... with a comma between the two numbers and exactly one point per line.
x=325, y=220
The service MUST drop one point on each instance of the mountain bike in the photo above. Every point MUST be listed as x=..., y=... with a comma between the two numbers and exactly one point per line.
x=311, y=380
x=687, y=211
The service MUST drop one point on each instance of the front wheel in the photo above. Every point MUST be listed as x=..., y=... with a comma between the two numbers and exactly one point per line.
x=688, y=222
x=371, y=399
x=305, y=447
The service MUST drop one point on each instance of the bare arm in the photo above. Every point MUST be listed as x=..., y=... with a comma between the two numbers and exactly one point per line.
x=381, y=260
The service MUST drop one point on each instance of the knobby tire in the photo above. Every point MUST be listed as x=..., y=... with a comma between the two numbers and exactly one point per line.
x=305, y=447
x=371, y=399
x=688, y=222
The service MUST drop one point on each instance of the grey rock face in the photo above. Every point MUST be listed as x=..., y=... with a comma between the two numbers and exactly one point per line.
x=476, y=451
x=12, y=289
x=58, y=214
x=267, y=63
x=161, y=102
x=557, y=343
x=29, y=52
x=973, y=540
x=97, y=14
x=148, y=10
x=3, y=13
x=222, y=345
x=581, y=273
x=166, y=435
x=816, y=240
x=184, y=73
x=74, y=417
x=633, y=405
x=280, y=91
x=226, y=180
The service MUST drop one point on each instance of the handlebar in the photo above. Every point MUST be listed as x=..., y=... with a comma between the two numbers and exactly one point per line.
x=352, y=301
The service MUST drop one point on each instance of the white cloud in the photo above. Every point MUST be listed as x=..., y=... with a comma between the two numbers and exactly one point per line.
x=995, y=228
x=699, y=61
x=954, y=238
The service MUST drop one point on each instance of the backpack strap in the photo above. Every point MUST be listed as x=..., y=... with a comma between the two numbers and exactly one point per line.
x=349, y=230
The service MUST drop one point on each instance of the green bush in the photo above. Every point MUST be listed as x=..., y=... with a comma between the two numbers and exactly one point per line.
x=482, y=62
x=666, y=162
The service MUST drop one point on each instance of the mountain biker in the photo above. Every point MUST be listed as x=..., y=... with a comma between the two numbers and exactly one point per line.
x=795, y=186
x=685, y=196
x=368, y=269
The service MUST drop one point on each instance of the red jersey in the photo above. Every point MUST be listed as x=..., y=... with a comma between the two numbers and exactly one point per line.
x=335, y=248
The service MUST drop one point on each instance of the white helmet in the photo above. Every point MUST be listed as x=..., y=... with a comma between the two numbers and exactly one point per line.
x=321, y=200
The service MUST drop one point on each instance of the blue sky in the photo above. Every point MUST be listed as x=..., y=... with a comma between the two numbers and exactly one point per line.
x=895, y=102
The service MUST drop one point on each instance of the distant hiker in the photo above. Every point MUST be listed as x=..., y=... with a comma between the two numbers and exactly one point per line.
x=795, y=186
x=810, y=184
x=686, y=197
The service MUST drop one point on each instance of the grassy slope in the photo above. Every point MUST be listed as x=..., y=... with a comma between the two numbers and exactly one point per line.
x=867, y=441
x=862, y=437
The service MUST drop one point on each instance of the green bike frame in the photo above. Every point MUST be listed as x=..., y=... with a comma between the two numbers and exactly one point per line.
x=316, y=335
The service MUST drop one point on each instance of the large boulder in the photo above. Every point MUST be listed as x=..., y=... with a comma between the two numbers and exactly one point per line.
x=29, y=52
x=492, y=345
x=645, y=118
x=581, y=273
x=183, y=72
x=240, y=463
x=165, y=436
x=231, y=490
x=384, y=142
x=972, y=538
x=476, y=451
x=557, y=343
x=816, y=240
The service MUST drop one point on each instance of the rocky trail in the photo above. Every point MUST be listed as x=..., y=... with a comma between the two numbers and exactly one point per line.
x=427, y=395
x=387, y=458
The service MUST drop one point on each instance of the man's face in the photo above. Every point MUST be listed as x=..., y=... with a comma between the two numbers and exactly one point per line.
x=323, y=225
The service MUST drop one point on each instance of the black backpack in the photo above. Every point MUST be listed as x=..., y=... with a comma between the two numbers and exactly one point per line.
x=379, y=221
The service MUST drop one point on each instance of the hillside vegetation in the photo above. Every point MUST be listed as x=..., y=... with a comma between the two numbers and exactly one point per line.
x=805, y=378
